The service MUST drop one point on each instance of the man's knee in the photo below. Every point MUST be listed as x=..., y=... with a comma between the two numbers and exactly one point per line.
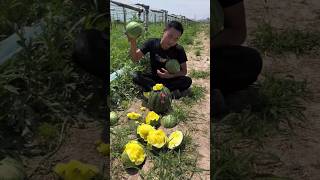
x=135, y=77
x=255, y=61
x=187, y=81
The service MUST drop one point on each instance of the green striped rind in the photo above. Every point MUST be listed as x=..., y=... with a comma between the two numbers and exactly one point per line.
x=11, y=169
x=173, y=66
x=134, y=29
x=168, y=121
x=126, y=161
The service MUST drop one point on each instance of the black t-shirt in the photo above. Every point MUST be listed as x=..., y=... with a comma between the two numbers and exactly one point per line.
x=227, y=3
x=159, y=56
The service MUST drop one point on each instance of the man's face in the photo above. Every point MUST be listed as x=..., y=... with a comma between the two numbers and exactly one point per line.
x=170, y=38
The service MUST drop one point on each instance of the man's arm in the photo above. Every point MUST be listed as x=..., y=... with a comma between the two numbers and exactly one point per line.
x=182, y=72
x=235, y=29
x=135, y=53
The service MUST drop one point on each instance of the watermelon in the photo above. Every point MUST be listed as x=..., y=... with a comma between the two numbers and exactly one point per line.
x=11, y=169
x=159, y=101
x=75, y=169
x=126, y=161
x=169, y=121
x=175, y=139
x=133, y=154
x=113, y=118
x=134, y=29
x=172, y=66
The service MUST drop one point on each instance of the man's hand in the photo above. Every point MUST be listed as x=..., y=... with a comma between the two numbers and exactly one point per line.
x=164, y=74
x=135, y=53
x=130, y=39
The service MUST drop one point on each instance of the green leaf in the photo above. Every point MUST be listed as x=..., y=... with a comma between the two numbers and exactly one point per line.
x=11, y=89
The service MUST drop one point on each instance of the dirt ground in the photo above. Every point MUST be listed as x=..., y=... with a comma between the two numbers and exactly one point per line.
x=300, y=154
x=78, y=144
x=202, y=63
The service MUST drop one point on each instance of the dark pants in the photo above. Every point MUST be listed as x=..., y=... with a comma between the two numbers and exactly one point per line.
x=235, y=68
x=147, y=81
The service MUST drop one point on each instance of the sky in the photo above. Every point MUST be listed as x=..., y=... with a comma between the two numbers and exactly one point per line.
x=192, y=9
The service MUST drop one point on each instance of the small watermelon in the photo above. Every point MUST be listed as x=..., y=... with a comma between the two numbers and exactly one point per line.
x=133, y=154
x=134, y=29
x=169, y=121
x=173, y=66
x=11, y=169
x=113, y=118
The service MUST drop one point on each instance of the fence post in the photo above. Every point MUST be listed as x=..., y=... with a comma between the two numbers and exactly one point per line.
x=162, y=17
x=146, y=23
x=146, y=15
x=165, y=19
x=124, y=17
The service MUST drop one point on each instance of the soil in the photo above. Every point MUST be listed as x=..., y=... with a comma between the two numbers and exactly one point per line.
x=300, y=153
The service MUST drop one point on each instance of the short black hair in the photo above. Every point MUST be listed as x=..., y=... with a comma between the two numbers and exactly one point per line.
x=175, y=24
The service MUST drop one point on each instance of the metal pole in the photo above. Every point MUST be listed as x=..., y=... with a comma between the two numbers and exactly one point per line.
x=146, y=15
x=124, y=17
x=165, y=18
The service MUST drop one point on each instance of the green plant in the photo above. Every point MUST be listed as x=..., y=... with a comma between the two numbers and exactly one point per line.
x=267, y=38
x=119, y=137
x=173, y=164
x=199, y=74
x=41, y=83
x=48, y=131
x=197, y=93
x=180, y=113
x=229, y=165
x=279, y=102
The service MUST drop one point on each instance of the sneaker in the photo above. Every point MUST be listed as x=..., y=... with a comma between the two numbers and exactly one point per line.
x=219, y=105
x=177, y=94
x=186, y=92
